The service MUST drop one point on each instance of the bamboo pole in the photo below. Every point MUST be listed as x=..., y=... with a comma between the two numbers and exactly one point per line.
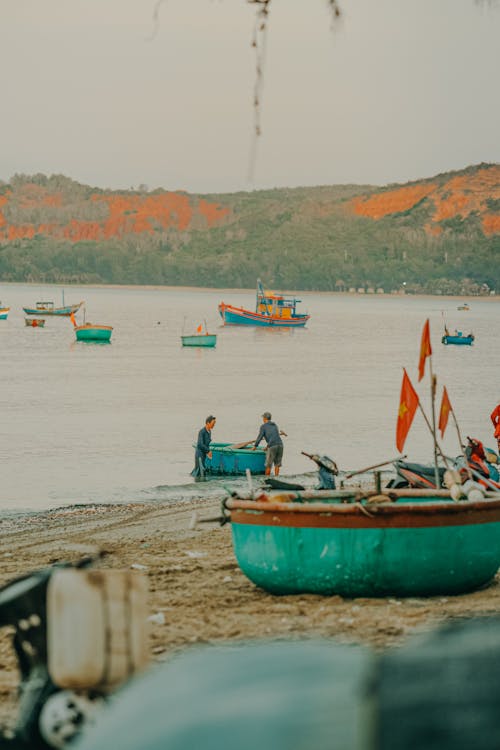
x=369, y=468
x=469, y=472
x=433, y=430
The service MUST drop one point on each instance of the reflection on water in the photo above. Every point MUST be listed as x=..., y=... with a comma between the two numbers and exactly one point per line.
x=81, y=423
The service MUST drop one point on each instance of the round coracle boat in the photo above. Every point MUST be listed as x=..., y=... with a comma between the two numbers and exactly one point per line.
x=404, y=543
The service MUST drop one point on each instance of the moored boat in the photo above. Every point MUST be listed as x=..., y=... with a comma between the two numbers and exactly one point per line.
x=208, y=340
x=228, y=458
x=47, y=308
x=200, y=338
x=91, y=332
x=271, y=309
x=4, y=312
x=457, y=338
x=465, y=306
x=35, y=322
x=408, y=543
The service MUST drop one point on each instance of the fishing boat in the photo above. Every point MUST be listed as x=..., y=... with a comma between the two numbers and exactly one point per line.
x=229, y=458
x=4, y=312
x=200, y=338
x=465, y=306
x=35, y=322
x=47, y=308
x=91, y=332
x=457, y=338
x=405, y=543
x=270, y=310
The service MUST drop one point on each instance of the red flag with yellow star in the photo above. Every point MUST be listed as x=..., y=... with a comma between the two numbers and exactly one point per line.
x=425, y=349
x=444, y=412
x=408, y=403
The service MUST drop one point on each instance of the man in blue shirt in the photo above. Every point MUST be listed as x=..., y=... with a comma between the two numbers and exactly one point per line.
x=203, y=451
x=271, y=433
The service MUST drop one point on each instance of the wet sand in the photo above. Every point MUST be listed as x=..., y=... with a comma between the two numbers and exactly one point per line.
x=195, y=581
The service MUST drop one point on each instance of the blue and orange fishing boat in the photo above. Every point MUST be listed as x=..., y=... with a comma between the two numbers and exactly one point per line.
x=270, y=310
x=4, y=312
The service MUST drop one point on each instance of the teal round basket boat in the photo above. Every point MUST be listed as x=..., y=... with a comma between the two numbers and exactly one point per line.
x=421, y=544
x=226, y=459
x=90, y=332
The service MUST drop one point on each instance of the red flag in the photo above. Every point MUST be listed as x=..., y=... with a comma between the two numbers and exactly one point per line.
x=425, y=349
x=199, y=329
x=408, y=403
x=444, y=411
x=72, y=318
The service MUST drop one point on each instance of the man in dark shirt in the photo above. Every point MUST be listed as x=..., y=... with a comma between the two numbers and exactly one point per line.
x=271, y=433
x=203, y=451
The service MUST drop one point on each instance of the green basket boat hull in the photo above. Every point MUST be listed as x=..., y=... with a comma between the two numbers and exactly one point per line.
x=96, y=333
x=207, y=341
x=405, y=560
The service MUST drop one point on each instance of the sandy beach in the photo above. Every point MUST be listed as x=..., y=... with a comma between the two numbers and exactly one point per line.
x=195, y=581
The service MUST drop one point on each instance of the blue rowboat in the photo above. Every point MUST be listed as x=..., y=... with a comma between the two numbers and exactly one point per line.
x=458, y=338
x=422, y=544
x=47, y=308
x=271, y=310
x=226, y=459
x=208, y=340
x=90, y=332
x=4, y=312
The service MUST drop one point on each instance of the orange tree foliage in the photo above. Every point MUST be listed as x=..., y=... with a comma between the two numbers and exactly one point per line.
x=126, y=214
x=458, y=197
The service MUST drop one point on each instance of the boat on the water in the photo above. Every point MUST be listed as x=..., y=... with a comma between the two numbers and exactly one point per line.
x=35, y=322
x=465, y=306
x=404, y=543
x=208, y=340
x=91, y=332
x=457, y=338
x=47, y=308
x=4, y=312
x=270, y=310
x=200, y=338
x=228, y=458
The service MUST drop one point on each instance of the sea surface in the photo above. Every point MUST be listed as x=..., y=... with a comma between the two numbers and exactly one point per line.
x=87, y=423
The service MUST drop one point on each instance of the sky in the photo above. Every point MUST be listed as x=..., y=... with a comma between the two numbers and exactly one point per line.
x=398, y=90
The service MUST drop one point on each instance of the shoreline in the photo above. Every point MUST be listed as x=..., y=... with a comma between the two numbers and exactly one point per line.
x=194, y=580
x=250, y=290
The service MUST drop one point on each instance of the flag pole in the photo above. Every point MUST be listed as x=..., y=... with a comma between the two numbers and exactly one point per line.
x=469, y=472
x=436, y=445
x=433, y=430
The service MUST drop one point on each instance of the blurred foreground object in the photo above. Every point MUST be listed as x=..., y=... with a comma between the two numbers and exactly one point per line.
x=78, y=633
x=439, y=691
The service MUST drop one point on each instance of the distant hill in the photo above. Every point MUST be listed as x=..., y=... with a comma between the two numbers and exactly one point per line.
x=439, y=235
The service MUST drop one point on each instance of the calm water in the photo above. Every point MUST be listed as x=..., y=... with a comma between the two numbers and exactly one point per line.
x=107, y=423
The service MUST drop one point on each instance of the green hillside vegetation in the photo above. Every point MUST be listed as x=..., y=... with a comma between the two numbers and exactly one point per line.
x=302, y=238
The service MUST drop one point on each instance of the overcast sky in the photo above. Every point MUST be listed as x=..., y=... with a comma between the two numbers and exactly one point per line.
x=401, y=89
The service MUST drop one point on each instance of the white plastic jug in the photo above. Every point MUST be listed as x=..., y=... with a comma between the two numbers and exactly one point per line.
x=96, y=627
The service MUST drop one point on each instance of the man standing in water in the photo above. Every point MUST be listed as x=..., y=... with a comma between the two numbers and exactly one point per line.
x=274, y=453
x=495, y=418
x=203, y=451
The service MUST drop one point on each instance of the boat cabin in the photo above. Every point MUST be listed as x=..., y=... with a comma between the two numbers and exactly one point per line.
x=44, y=305
x=276, y=305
